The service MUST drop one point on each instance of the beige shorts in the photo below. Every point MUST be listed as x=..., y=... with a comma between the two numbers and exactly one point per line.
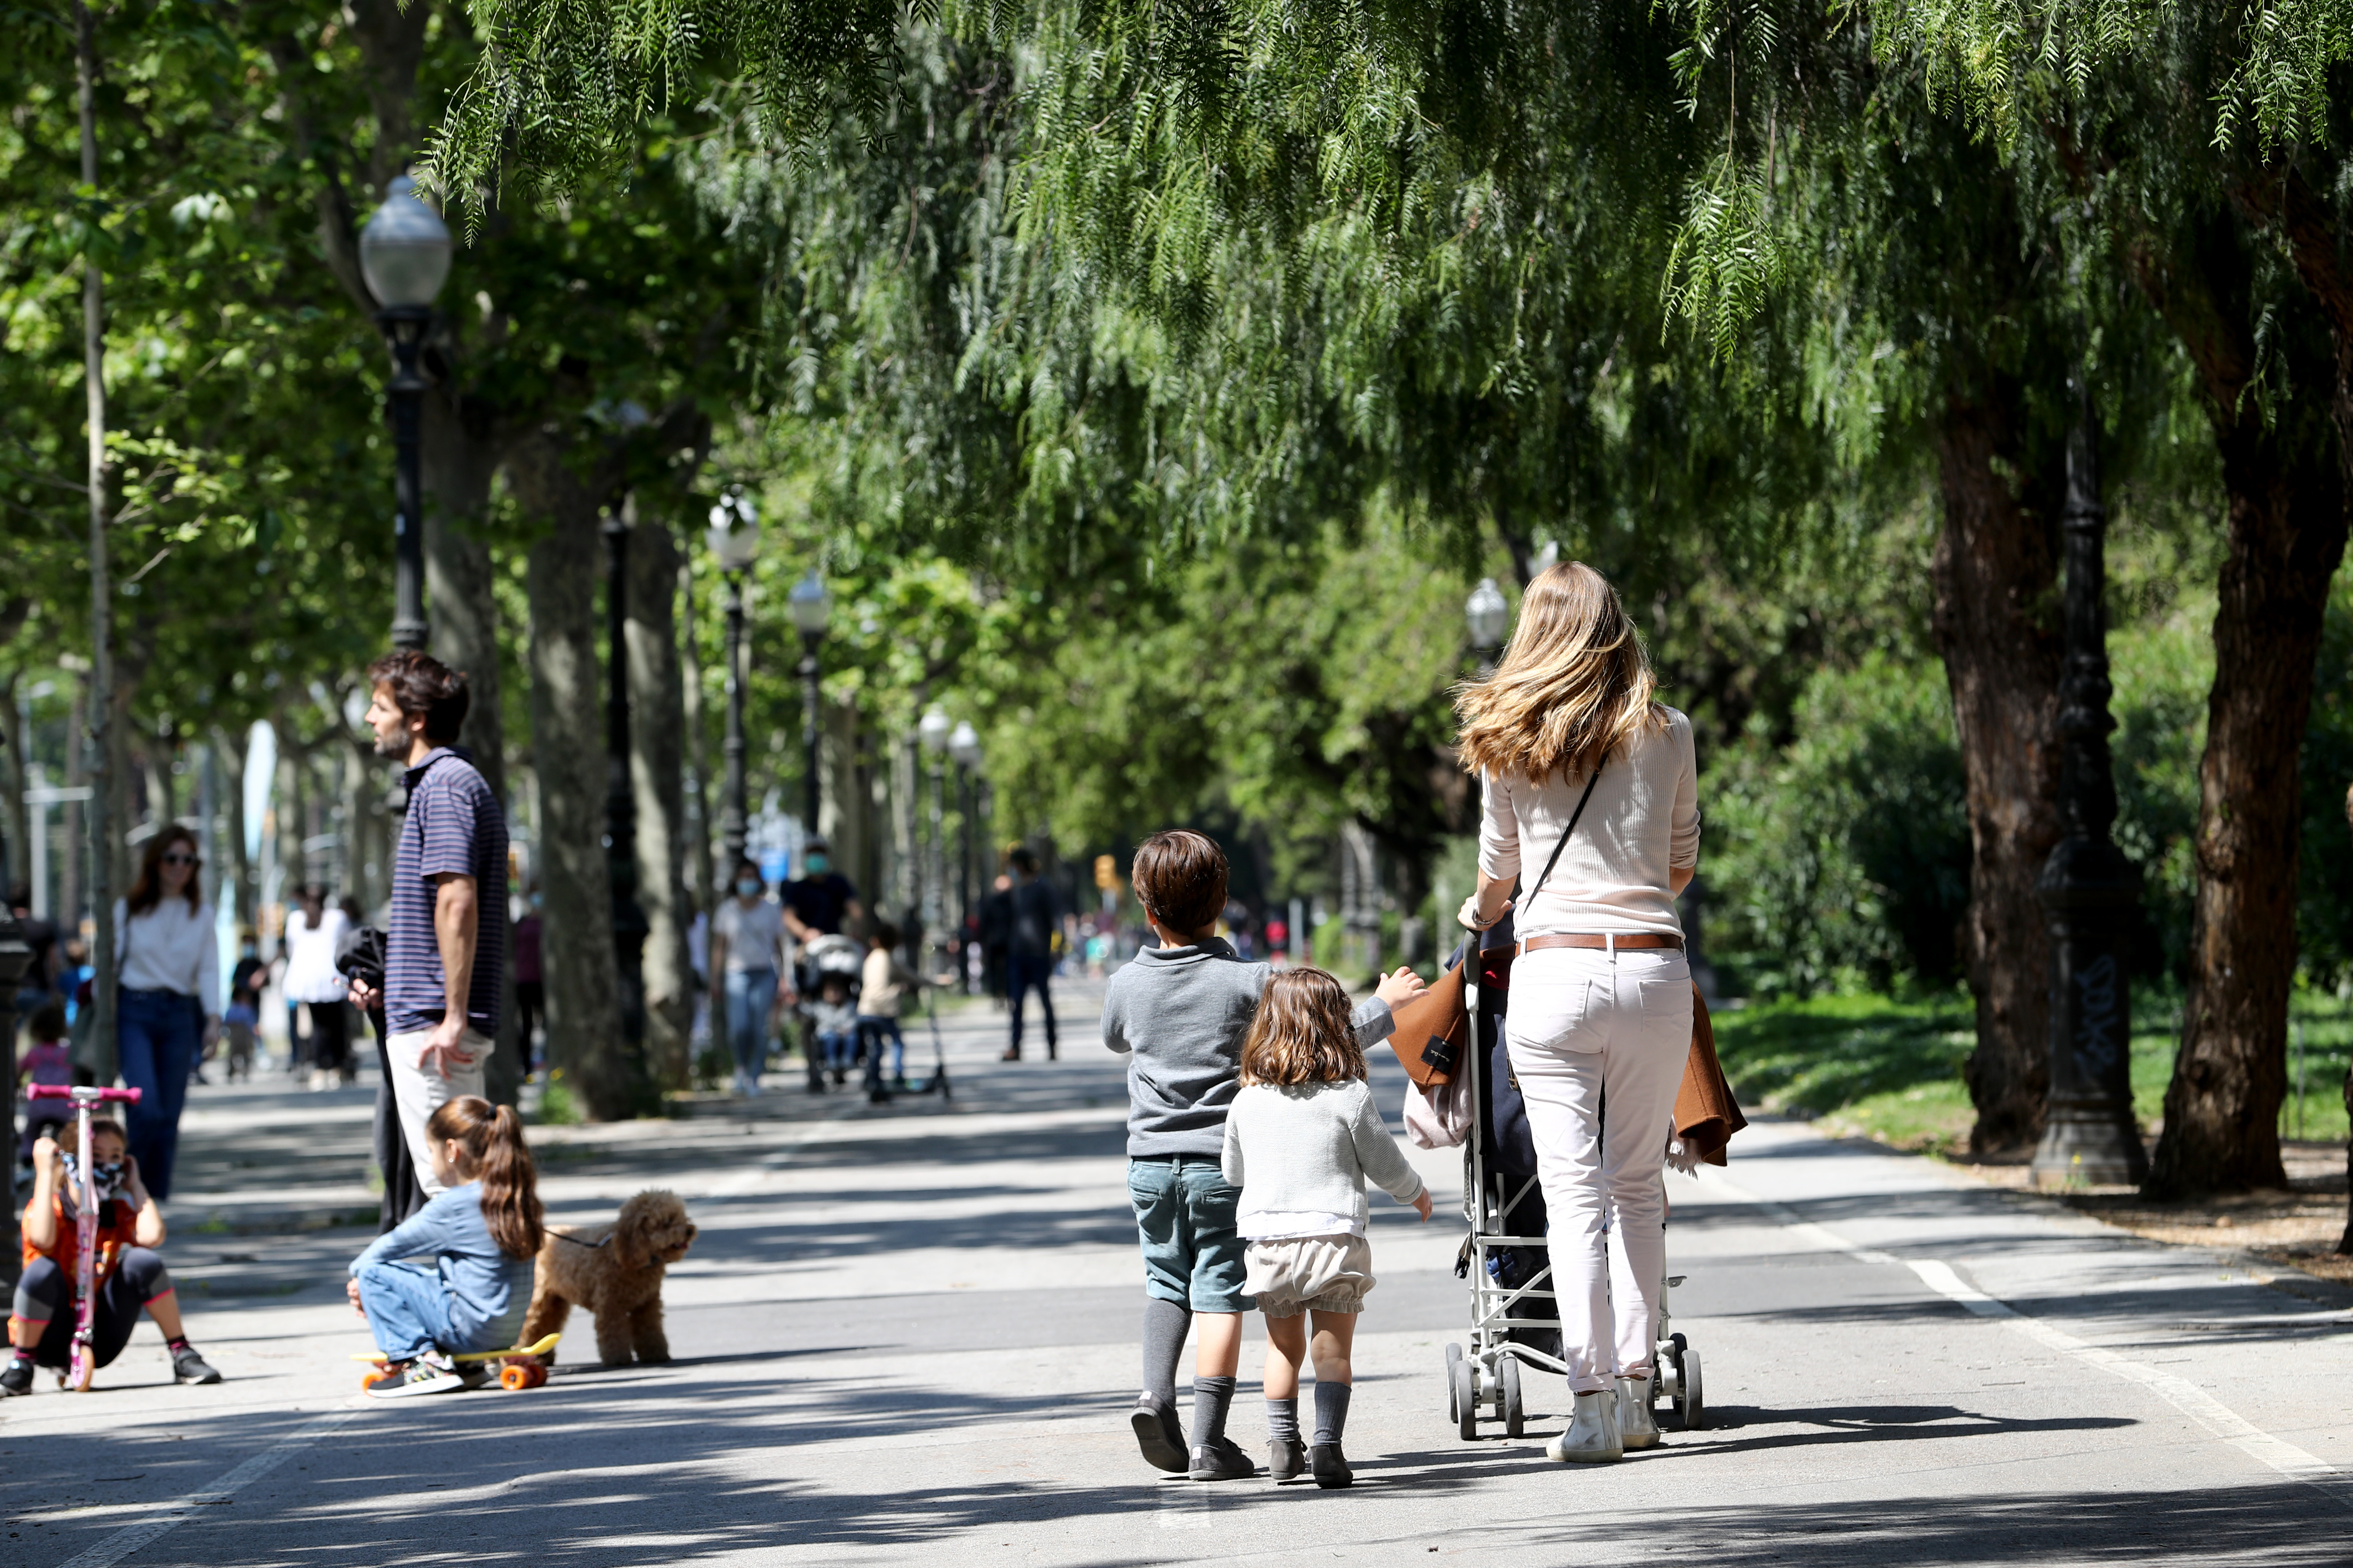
x=1310, y=1273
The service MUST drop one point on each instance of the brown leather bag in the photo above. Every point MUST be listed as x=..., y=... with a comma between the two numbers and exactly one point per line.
x=1433, y=1031
x=1706, y=1115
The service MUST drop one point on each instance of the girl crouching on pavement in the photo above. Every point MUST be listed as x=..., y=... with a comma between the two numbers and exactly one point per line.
x=482, y=1234
x=127, y=1275
x=1303, y=1136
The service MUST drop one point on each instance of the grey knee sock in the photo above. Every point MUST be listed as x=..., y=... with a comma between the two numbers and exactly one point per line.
x=1331, y=1410
x=1165, y=1324
x=1283, y=1419
x=1211, y=1397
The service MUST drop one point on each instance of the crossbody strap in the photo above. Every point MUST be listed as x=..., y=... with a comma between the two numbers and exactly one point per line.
x=1562, y=843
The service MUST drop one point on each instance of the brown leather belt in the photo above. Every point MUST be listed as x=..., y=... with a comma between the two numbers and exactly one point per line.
x=1600, y=942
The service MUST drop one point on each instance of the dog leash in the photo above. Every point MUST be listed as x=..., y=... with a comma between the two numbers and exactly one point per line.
x=576, y=1241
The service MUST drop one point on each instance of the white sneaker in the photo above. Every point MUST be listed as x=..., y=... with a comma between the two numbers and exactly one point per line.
x=1592, y=1435
x=1636, y=1428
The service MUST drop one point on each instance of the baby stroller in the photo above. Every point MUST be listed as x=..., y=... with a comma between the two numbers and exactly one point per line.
x=828, y=957
x=1514, y=1313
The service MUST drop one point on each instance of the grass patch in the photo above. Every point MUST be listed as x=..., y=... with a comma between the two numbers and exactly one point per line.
x=1890, y=1069
x=558, y=1105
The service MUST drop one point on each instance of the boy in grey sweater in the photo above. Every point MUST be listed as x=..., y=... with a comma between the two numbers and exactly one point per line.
x=1179, y=1012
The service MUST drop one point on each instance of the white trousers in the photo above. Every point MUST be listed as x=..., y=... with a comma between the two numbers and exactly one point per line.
x=418, y=1092
x=1584, y=1026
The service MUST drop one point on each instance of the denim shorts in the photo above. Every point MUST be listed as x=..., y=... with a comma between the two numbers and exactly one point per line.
x=1184, y=1219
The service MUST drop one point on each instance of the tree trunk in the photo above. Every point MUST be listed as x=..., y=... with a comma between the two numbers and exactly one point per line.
x=567, y=722
x=1995, y=576
x=699, y=885
x=459, y=458
x=658, y=781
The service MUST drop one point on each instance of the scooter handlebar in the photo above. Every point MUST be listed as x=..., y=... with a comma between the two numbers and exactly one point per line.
x=78, y=1094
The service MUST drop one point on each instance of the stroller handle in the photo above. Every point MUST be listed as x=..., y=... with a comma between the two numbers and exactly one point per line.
x=78, y=1094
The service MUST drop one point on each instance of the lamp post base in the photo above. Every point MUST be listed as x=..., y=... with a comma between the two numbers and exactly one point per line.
x=2089, y=1143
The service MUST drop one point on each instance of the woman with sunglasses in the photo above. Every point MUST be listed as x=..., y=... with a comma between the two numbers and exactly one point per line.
x=169, y=1010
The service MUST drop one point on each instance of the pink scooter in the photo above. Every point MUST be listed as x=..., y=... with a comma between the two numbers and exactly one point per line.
x=84, y=1366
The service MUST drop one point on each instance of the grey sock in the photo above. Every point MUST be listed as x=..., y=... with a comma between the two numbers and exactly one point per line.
x=1331, y=1411
x=1283, y=1419
x=1211, y=1398
x=1165, y=1324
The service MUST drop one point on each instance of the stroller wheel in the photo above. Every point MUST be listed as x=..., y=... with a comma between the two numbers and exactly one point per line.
x=1694, y=1408
x=1515, y=1415
x=1453, y=1359
x=1466, y=1399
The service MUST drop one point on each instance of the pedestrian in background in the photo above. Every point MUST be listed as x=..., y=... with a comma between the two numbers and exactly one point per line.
x=442, y=983
x=821, y=901
x=167, y=965
x=1037, y=920
x=314, y=935
x=996, y=935
x=242, y=1018
x=883, y=987
x=747, y=937
x=1592, y=794
x=530, y=993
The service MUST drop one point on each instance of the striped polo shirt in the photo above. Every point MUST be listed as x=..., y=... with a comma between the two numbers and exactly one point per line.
x=454, y=826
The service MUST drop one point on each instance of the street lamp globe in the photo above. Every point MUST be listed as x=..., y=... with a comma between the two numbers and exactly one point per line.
x=932, y=731
x=734, y=532
x=404, y=250
x=810, y=605
x=1490, y=616
x=965, y=744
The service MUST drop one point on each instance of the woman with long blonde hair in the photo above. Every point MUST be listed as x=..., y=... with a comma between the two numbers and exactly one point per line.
x=1592, y=811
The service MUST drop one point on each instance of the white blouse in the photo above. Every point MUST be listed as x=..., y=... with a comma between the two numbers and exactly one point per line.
x=170, y=948
x=1641, y=823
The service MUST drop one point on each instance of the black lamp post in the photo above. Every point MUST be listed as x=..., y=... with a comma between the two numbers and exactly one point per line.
x=735, y=539
x=965, y=747
x=811, y=606
x=404, y=257
x=2088, y=886
x=620, y=800
x=933, y=729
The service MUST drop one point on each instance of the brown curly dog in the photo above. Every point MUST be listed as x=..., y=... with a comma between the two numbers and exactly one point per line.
x=615, y=1273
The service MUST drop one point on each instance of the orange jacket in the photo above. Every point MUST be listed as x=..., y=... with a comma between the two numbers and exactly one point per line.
x=117, y=1228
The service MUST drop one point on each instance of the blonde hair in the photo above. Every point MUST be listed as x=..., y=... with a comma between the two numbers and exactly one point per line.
x=1575, y=684
x=1301, y=1033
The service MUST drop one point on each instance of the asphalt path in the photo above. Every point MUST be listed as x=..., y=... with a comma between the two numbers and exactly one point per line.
x=908, y=1335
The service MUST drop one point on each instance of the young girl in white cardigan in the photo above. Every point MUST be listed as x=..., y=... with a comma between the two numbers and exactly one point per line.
x=1301, y=1139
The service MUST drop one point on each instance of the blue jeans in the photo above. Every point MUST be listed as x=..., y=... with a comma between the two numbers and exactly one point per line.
x=157, y=1032
x=872, y=1032
x=837, y=1046
x=409, y=1310
x=1023, y=971
x=751, y=998
x=1185, y=1220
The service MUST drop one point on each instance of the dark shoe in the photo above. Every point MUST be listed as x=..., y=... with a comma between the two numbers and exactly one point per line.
x=18, y=1379
x=878, y=1097
x=1012, y=1054
x=1159, y=1436
x=1221, y=1461
x=1286, y=1459
x=187, y=1366
x=1330, y=1467
x=417, y=1377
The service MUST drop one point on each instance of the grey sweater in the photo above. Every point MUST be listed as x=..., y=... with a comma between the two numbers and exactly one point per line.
x=1179, y=1015
x=1304, y=1149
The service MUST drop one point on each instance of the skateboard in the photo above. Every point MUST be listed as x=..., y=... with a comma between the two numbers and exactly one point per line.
x=524, y=1369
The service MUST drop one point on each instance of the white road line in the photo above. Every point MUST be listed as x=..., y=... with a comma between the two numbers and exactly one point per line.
x=125, y=1541
x=2184, y=1395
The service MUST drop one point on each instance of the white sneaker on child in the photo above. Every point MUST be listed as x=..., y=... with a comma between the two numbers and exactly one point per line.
x=426, y=1374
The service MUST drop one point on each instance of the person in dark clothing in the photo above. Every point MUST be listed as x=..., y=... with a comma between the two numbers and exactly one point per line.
x=819, y=903
x=996, y=935
x=1030, y=950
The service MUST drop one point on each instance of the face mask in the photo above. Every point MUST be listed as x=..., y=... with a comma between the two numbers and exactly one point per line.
x=537, y=900
x=109, y=1176
x=818, y=863
x=750, y=887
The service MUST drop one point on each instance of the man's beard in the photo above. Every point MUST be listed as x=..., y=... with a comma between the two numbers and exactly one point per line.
x=395, y=750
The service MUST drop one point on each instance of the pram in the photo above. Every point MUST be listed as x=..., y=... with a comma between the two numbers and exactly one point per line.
x=837, y=957
x=1514, y=1314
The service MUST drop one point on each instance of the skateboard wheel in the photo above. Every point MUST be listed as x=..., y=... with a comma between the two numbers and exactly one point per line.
x=370, y=1379
x=514, y=1376
x=538, y=1374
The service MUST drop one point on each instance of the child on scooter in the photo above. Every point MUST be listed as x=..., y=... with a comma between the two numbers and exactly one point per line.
x=482, y=1233
x=129, y=1274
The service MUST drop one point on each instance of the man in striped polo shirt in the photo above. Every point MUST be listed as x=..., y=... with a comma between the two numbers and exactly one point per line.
x=441, y=977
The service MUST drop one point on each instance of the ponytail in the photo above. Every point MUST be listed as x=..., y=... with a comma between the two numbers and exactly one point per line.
x=491, y=1140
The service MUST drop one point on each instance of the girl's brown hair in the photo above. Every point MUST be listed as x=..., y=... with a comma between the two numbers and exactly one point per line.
x=1573, y=687
x=490, y=1138
x=1301, y=1032
x=147, y=890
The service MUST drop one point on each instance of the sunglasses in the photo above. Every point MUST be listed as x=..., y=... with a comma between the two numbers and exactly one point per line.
x=177, y=858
